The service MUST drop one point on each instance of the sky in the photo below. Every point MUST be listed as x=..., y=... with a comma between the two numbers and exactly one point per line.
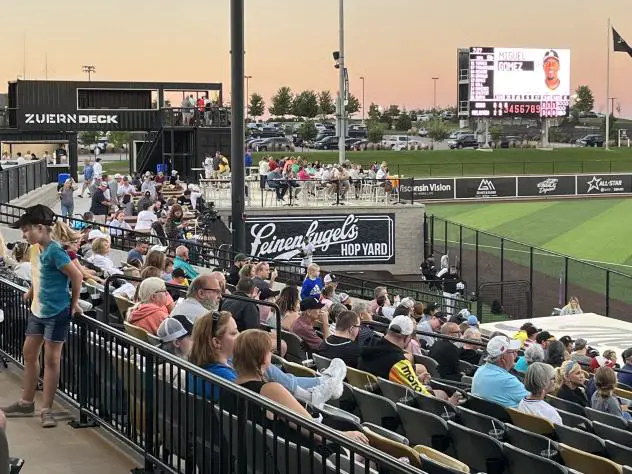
x=397, y=45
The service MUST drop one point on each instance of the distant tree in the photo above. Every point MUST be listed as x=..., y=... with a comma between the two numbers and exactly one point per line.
x=353, y=105
x=307, y=130
x=120, y=139
x=281, y=102
x=257, y=106
x=305, y=104
x=374, y=113
x=326, y=105
x=585, y=100
x=89, y=138
x=496, y=133
x=437, y=130
x=403, y=122
x=375, y=132
x=390, y=115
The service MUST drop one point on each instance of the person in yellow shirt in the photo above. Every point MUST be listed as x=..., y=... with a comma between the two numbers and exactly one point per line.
x=526, y=335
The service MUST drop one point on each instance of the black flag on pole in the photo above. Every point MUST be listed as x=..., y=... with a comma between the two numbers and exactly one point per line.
x=620, y=44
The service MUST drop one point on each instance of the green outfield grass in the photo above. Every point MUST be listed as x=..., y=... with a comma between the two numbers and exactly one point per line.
x=595, y=230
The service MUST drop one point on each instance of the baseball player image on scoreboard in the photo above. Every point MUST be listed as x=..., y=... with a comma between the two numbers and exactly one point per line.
x=551, y=66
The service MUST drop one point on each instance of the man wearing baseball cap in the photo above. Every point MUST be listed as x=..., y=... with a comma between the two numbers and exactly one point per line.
x=386, y=357
x=551, y=66
x=493, y=381
x=303, y=327
x=233, y=272
x=100, y=205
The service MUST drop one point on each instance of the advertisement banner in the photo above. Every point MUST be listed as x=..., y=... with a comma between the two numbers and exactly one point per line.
x=361, y=239
x=419, y=189
x=538, y=186
x=479, y=188
x=604, y=184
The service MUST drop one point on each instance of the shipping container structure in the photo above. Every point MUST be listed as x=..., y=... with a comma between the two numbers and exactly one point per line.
x=174, y=123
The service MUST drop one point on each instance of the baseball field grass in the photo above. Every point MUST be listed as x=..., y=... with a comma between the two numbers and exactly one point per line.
x=595, y=230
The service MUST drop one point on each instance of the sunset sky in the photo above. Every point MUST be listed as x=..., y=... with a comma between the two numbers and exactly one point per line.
x=398, y=45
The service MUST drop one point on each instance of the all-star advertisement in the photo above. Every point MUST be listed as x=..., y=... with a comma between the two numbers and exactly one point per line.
x=491, y=187
x=539, y=186
x=362, y=239
x=604, y=184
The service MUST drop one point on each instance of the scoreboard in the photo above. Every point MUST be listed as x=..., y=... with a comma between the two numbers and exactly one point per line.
x=519, y=82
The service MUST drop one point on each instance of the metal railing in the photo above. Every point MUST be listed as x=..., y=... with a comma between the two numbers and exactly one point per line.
x=221, y=256
x=18, y=180
x=8, y=117
x=552, y=277
x=178, y=417
x=196, y=116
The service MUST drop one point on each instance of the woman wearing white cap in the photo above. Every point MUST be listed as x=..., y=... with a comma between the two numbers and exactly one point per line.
x=66, y=197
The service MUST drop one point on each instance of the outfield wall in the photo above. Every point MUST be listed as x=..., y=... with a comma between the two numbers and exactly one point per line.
x=513, y=187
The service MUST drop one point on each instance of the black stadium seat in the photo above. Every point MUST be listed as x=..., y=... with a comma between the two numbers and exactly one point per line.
x=479, y=451
x=617, y=435
x=424, y=428
x=377, y=409
x=580, y=440
x=619, y=453
x=606, y=418
x=523, y=439
x=478, y=421
x=523, y=462
x=488, y=408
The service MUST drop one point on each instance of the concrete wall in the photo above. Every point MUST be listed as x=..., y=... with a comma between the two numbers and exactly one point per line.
x=408, y=238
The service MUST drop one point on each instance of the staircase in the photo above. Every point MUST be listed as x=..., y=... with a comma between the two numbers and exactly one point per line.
x=143, y=159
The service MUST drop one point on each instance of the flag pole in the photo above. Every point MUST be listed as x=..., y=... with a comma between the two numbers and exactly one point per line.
x=607, y=137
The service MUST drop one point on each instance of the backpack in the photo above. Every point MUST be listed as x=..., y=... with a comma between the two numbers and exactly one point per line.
x=388, y=186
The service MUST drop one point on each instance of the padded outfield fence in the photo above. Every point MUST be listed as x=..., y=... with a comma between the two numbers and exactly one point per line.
x=551, y=278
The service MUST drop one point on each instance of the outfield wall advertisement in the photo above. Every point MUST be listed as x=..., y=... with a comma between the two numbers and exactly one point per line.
x=492, y=187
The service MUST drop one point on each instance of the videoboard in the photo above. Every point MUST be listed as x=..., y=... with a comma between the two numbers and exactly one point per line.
x=519, y=82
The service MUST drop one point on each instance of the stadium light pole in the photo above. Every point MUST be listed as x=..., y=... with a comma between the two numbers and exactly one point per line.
x=89, y=69
x=341, y=86
x=434, y=95
x=237, y=104
x=362, y=79
x=247, y=93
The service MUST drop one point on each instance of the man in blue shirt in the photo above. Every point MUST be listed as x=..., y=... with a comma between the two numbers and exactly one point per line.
x=182, y=261
x=492, y=381
x=625, y=376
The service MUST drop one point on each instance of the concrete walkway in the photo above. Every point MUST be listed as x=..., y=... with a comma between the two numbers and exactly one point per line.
x=60, y=450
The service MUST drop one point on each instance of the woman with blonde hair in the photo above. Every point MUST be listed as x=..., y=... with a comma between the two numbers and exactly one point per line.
x=247, y=271
x=67, y=200
x=70, y=240
x=23, y=267
x=569, y=377
x=101, y=259
x=159, y=260
x=214, y=336
x=151, y=309
x=313, y=283
x=572, y=307
x=252, y=360
x=4, y=251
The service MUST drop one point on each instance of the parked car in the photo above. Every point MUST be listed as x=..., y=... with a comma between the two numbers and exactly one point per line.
x=591, y=140
x=275, y=144
x=423, y=132
x=350, y=142
x=396, y=142
x=266, y=132
x=359, y=132
x=506, y=142
x=326, y=143
x=463, y=141
x=457, y=133
x=359, y=145
x=324, y=134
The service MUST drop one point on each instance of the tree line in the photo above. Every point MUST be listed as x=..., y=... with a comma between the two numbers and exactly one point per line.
x=307, y=104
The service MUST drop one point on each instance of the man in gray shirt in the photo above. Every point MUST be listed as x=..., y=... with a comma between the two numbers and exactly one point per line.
x=581, y=352
x=203, y=296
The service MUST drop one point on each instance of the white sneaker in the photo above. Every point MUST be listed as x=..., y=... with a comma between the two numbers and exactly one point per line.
x=336, y=373
x=322, y=393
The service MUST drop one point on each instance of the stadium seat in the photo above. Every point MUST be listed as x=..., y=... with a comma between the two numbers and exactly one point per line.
x=587, y=463
x=478, y=421
x=619, y=392
x=466, y=368
x=424, y=428
x=523, y=439
x=533, y=423
x=430, y=364
x=565, y=405
x=580, y=439
x=298, y=370
x=360, y=379
x=617, y=435
x=295, y=349
x=377, y=409
x=520, y=461
x=398, y=438
x=287, y=459
x=625, y=387
x=479, y=451
x=488, y=408
x=396, y=392
x=436, y=462
x=437, y=406
x=627, y=470
x=339, y=419
x=320, y=362
x=393, y=448
x=123, y=304
x=619, y=453
x=606, y=418
x=571, y=419
x=135, y=331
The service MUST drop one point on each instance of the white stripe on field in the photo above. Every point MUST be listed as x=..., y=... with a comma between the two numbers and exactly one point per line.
x=545, y=254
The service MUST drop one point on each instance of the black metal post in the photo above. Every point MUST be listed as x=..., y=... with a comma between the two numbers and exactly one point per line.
x=73, y=157
x=565, y=281
x=531, y=277
x=476, y=272
x=412, y=191
x=237, y=126
x=607, y=292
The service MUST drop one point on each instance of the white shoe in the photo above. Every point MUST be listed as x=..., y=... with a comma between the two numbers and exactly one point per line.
x=336, y=373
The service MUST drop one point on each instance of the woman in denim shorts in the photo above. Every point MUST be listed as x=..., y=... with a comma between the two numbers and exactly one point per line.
x=51, y=310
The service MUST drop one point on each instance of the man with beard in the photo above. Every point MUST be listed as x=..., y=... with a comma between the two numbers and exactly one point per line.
x=204, y=295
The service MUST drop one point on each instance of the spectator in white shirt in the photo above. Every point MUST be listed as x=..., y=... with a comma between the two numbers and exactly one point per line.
x=125, y=188
x=145, y=218
x=100, y=258
x=97, y=169
x=382, y=173
x=149, y=185
x=120, y=224
x=539, y=381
